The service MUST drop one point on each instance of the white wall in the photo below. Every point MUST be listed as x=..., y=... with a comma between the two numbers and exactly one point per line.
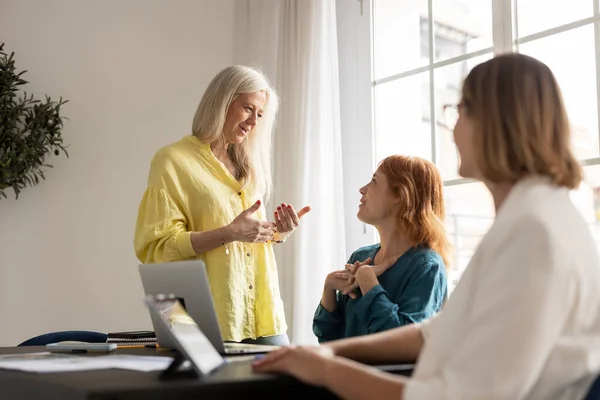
x=134, y=72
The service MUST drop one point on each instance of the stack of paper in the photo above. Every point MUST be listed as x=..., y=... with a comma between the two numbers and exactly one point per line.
x=52, y=362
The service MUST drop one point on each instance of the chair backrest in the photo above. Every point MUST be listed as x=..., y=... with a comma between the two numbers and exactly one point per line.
x=55, y=337
x=594, y=392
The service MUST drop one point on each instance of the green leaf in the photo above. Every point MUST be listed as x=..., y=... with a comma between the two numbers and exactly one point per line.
x=30, y=129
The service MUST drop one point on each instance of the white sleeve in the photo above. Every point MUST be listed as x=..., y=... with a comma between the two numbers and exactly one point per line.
x=426, y=327
x=518, y=309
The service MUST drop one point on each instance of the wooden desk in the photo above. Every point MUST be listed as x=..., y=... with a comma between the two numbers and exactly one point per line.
x=235, y=380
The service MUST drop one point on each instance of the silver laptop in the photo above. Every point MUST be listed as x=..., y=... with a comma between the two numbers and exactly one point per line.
x=188, y=281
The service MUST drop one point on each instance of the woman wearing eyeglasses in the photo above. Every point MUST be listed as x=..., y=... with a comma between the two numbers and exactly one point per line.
x=524, y=320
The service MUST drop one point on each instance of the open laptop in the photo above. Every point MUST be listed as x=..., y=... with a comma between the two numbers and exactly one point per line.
x=188, y=281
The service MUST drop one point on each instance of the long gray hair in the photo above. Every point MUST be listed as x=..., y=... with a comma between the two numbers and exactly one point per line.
x=253, y=156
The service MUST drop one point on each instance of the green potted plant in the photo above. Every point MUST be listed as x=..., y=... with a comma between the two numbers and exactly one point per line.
x=30, y=130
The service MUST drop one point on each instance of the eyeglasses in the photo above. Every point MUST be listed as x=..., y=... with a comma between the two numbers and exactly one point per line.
x=449, y=116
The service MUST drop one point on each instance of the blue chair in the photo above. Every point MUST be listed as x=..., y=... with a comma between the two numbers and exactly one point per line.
x=54, y=337
x=594, y=392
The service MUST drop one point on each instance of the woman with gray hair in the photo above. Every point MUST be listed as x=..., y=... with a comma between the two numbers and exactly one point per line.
x=204, y=200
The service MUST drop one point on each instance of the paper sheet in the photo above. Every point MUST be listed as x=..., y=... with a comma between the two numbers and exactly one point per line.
x=55, y=362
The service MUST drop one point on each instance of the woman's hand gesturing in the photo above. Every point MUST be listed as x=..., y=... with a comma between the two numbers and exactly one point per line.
x=287, y=220
x=246, y=228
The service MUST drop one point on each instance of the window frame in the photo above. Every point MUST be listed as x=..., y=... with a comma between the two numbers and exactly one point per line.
x=355, y=27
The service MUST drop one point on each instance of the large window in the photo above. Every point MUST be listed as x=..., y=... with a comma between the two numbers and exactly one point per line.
x=422, y=50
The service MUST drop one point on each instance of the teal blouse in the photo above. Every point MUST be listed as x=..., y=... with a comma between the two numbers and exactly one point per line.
x=411, y=290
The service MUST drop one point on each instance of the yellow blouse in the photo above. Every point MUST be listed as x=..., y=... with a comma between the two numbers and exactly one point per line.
x=190, y=190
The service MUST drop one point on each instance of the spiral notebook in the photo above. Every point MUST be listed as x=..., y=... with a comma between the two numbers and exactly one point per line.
x=132, y=338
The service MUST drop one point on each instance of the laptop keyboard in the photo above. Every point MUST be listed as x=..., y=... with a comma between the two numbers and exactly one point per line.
x=243, y=348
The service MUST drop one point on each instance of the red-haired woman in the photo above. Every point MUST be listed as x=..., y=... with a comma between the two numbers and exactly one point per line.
x=402, y=279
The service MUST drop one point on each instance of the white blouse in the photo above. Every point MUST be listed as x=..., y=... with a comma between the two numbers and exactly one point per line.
x=524, y=320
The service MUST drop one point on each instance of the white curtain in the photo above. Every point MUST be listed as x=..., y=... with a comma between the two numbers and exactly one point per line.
x=295, y=43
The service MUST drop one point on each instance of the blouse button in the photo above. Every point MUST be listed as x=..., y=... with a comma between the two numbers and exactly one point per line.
x=251, y=287
x=248, y=254
x=240, y=193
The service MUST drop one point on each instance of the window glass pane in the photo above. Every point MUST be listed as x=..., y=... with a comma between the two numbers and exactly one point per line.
x=469, y=214
x=538, y=15
x=401, y=38
x=570, y=55
x=402, y=122
x=448, y=88
x=461, y=26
